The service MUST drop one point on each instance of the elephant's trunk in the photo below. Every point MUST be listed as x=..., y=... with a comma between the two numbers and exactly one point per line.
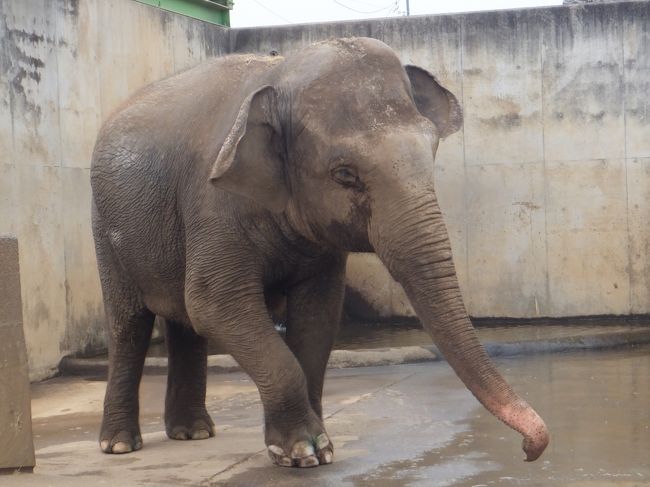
x=412, y=242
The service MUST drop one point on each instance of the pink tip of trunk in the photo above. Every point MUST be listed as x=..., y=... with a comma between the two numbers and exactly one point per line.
x=524, y=419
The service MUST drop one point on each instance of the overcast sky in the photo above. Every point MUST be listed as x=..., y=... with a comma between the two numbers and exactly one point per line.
x=248, y=13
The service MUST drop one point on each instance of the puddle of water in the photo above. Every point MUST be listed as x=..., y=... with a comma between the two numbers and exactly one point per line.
x=354, y=336
x=597, y=408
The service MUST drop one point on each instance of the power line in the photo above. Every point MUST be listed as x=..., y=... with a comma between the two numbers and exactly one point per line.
x=361, y=11
x=272, y=12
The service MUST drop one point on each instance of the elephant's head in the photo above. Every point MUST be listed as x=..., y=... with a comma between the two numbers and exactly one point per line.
x=341, y=141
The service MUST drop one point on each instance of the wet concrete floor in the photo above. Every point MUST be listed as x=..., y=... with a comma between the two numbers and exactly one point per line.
x=391, y=426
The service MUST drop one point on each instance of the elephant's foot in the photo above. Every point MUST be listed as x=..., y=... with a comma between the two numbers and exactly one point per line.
x=306, y=446
x=120, y=440
x=189, y=425
x=304, y=453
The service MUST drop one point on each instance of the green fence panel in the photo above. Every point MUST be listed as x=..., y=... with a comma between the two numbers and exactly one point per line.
x=216, y=12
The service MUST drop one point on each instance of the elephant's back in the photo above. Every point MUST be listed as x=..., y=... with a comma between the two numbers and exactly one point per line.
x=151, y=164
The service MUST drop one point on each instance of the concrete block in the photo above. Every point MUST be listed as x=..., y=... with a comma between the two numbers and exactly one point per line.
x=506, y=240
x=637, y=78
x=10, y=304
x=583, y=84
x=587, y=238
x=502, y=89
x=638, y=214
x=16, y=443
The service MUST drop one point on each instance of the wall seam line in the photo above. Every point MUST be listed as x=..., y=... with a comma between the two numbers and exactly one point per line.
x=461, y=45
x=625, y=164
x=547, y=284
x=60, y=4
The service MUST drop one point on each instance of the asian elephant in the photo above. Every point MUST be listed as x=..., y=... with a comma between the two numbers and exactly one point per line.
x=248, y=176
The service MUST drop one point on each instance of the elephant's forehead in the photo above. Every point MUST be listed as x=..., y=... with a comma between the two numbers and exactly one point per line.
x=393, y=148
x=361, y=109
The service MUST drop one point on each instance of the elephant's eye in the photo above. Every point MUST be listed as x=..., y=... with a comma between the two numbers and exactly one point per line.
x=345, y=175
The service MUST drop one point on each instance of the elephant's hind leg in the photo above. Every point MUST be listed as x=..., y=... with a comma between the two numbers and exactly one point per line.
x=129, y=326
x=186, y=417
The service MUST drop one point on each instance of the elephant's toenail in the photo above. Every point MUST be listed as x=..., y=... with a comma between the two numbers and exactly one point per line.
x=122, y=447
x=308, y=462
x=200, y=435
x=104, y=445
x=302, y=449
x=327, y=457
x=276, y=450
x=322, y=441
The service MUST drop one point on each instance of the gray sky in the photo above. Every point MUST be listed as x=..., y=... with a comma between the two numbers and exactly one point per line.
x=248, y=13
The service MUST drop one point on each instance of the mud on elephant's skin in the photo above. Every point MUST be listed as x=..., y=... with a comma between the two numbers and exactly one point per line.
x=248, y=177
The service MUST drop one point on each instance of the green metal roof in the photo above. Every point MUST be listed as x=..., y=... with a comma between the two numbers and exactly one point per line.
x=214, y=11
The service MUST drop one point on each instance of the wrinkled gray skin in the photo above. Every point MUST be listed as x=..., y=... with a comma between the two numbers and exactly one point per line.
x=249, y=177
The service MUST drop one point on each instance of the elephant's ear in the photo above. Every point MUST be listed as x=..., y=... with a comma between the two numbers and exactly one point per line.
x=434, y=102
x=251, y=160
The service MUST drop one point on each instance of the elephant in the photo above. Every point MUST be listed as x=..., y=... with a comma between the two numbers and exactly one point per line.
x=248, y=177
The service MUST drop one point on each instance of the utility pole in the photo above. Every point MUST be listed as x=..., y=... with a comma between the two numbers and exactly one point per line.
x=408, y=10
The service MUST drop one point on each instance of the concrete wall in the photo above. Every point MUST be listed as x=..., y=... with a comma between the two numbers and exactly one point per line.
x=64, y=66
x=546, y=187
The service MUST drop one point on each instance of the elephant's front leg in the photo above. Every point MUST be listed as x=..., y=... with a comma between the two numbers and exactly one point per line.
x=313, y=318
x=234, y=314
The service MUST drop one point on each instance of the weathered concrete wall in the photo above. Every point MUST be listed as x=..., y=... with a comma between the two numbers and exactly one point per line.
x=64, y=66
x=546, y=188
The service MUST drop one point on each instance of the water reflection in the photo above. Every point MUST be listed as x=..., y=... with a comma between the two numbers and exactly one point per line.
x=597, y=407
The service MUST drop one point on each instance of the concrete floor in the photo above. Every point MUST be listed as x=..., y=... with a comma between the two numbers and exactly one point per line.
x=391, y=426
